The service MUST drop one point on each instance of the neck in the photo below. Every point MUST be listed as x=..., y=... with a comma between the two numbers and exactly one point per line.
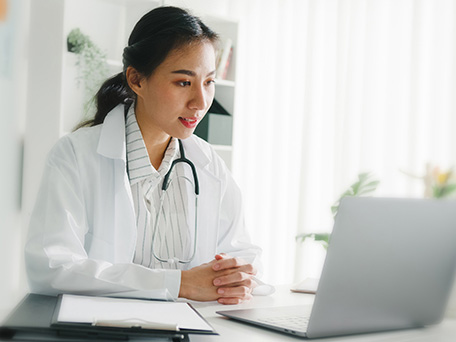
x=156, y=140
x=156, y=151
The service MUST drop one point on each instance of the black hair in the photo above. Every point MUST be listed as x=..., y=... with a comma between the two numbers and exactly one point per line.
x=154, y=36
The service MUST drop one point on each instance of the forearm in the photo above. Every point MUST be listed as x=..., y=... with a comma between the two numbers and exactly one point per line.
x=96, y=277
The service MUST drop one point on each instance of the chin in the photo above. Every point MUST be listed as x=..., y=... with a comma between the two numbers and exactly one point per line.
x=183, y=135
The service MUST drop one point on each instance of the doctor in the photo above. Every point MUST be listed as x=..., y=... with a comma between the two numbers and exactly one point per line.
x=95, y=222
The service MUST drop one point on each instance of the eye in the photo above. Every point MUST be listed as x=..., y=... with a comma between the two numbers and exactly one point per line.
x=184, y=83
x=211, y=81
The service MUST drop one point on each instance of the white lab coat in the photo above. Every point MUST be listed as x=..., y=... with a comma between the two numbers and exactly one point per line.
x=82, y=235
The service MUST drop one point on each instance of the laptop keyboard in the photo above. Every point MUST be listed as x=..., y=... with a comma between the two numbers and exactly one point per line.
x=288, y=322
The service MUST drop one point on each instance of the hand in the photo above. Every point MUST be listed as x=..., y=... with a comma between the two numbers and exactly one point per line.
x=234, y=279
x=197, y=283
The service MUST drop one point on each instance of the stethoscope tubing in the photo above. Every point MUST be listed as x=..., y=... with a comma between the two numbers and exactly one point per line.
x=165, y=185
x=182, y=159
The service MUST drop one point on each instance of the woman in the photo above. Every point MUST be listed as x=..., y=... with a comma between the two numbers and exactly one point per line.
x=101, y=203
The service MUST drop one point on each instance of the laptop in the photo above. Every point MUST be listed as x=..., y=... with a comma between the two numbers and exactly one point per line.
x=390, y=265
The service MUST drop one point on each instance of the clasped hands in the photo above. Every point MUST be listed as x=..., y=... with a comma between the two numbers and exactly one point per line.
x=225, y=279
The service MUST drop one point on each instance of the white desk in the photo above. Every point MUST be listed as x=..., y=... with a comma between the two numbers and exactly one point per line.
x=231, y=331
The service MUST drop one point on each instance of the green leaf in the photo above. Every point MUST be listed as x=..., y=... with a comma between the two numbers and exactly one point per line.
x=443, y=191
x=363, y=186
x=322, y=238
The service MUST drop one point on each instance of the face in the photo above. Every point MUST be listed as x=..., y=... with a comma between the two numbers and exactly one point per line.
x=178, y=94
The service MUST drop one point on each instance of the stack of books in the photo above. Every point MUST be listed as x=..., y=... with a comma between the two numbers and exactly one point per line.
x=224, y=55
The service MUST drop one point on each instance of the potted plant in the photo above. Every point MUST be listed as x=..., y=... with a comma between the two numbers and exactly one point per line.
x=91, y=66
x=365, y=185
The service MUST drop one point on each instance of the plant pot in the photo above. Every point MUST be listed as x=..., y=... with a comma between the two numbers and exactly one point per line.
x=70, y=46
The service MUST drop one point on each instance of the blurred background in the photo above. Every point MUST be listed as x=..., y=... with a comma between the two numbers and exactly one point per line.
x=318, y=92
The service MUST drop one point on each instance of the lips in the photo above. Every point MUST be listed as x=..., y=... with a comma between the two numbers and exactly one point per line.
x=189, y=122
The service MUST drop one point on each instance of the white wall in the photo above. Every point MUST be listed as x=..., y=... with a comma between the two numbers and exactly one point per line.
x=12, y=108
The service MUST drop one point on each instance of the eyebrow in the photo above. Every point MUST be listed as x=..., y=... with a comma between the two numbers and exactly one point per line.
x=190, y=72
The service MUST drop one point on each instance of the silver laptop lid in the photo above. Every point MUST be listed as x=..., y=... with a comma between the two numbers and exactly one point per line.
x=390, y=265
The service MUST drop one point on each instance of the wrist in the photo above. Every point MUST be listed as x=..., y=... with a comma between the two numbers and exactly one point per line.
x=183, y=290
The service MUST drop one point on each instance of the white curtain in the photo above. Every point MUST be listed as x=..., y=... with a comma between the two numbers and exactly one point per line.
x=327, y=89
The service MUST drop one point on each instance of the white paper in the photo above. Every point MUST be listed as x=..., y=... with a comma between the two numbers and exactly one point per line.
x=87, y=309
x=308, y=285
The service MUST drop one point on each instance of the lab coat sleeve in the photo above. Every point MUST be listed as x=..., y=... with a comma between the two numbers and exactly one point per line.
x=233, y=236
x=56, y=260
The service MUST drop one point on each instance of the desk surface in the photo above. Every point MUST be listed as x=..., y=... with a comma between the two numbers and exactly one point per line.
x=230, y=330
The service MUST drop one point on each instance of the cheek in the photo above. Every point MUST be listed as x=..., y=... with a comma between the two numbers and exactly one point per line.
x=161, y=99
x=173, y=99
x=212, y=92
x=210, y=95
x=161, y=93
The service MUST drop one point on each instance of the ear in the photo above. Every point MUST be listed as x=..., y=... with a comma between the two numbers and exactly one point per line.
x=134, y=80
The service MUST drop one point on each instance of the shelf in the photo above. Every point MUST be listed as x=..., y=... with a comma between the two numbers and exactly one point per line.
x=226, y=148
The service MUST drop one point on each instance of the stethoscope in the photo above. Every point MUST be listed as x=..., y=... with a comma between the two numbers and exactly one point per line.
x=164, y=188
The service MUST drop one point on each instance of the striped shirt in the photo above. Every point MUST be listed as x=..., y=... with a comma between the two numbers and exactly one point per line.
x=175, y=229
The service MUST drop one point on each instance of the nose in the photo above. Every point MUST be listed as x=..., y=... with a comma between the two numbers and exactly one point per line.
x=200, y=98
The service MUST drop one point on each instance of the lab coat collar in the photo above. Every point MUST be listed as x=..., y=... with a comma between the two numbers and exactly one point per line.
x=112, y=137
x=196, y=152
x=112, y=140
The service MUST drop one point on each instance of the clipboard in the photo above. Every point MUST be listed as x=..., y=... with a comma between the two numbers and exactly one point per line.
x=36, y=315
x=138, y=315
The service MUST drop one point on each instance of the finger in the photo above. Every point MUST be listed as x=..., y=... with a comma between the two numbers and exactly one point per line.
x=234, y=300
x=221, y=256
x=233, y=278
x=236, y=291
x=229, y=275
x=229, y=301
x=249, y=283
x=247, y=268
x=226, y=263
x=250, y=269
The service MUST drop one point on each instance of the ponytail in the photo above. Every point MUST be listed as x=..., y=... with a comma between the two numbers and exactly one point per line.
x=112, y=92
